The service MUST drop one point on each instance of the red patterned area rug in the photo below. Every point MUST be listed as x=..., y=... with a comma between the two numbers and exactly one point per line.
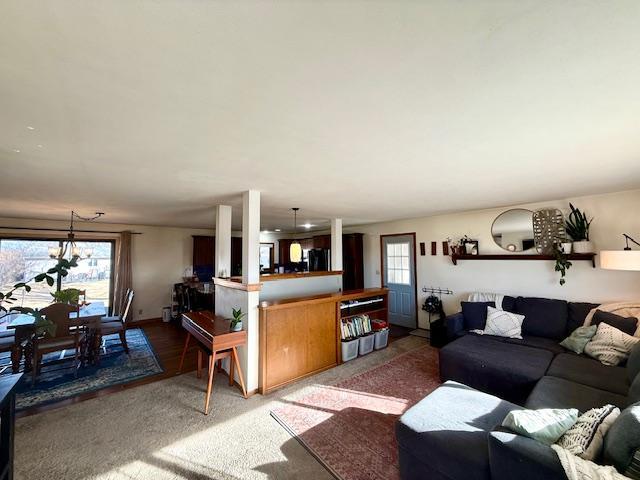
x=350, y=427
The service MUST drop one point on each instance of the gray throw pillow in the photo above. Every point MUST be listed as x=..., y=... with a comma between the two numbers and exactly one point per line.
x=579, y=338
x=633, y=363
x=546, y=425
x=623, y=439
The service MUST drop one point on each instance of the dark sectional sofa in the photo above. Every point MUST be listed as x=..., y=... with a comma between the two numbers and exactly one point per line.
x=454, y=433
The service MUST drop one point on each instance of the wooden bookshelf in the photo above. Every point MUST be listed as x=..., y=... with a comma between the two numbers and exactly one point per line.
x=302, y=336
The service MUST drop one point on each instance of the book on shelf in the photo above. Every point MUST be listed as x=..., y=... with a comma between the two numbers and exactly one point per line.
x=354, y=327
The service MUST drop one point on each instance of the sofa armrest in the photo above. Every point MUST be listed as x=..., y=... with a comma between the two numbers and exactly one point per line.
x=516, y=456
x=455, y=325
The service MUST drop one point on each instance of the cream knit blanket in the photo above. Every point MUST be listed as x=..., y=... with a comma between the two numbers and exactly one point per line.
x=628, y=309
x=577, y=468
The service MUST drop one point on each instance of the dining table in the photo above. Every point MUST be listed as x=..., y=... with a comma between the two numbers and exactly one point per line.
x=24, y=326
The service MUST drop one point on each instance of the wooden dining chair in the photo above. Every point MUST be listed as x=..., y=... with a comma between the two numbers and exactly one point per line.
x=118, y=323
x=69, y=334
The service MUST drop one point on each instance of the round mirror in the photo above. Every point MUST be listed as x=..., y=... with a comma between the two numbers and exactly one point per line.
x=513, y=230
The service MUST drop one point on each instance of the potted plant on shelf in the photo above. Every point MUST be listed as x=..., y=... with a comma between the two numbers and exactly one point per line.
x=562, y=262
x=236, y=321
x=577, y=226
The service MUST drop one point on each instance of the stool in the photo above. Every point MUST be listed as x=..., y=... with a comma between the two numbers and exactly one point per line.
x=218, y=356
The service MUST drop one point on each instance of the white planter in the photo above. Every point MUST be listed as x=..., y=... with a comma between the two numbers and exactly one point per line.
x=584, y=246
x=237, y=327
x=566, y=247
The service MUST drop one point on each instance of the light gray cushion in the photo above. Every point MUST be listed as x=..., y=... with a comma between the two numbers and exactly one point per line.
x=503, y=324
x=623, y=438
x=579, y=338
x=546, y=425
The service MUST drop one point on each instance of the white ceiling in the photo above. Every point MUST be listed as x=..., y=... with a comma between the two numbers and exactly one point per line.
x=155, y=111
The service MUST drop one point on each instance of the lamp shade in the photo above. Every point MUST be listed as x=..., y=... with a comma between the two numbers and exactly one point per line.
x=620, y=260
x=295, y=252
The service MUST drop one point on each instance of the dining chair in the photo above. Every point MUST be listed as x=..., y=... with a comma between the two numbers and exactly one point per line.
x=118, y=323
x=69, y=334
x=7, y=341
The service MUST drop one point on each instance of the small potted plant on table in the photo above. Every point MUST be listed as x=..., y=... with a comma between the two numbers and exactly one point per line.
x=236, y=321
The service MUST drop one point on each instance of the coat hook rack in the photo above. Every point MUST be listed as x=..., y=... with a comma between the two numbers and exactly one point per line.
x=438, y=291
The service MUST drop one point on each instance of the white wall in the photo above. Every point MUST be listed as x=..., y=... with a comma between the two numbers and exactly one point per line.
x=159, y=257
x=300, y=287
x=613, y=214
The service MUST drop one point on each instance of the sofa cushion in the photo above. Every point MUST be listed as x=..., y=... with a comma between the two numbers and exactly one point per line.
x=537, y=342
x=448, y=430
x=501, y=323
x=514, y=456
x=579, y=338
x=475, y=314
x=587, y=371
x=578, y=312
x=544, y=317
x=509, y=304
x=553, y=392
x=633, y=363
x=503, y=369
x=626, y=324
x=623, y=439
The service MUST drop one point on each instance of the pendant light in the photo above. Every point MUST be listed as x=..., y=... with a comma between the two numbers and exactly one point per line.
x=70, y=245
x=295, y=250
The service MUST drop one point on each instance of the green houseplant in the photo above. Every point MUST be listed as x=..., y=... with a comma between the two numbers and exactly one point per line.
x=562, y=262
x=236, y=321
x=69, y=296
x=8, y=298
x=577, y=226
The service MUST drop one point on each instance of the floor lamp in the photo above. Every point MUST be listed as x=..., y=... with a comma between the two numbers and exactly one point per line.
x=626, y=259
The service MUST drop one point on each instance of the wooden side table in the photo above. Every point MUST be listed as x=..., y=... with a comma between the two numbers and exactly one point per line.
x=214, y=336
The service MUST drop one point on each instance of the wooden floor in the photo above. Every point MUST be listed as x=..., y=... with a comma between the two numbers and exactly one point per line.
x=168, y=341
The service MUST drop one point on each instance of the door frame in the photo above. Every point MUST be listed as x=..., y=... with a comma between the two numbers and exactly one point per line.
x=415, y=265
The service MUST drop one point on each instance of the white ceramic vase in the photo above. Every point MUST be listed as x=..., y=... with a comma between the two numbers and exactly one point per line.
x=237, y=327
x=566, y=247
x=584, y=246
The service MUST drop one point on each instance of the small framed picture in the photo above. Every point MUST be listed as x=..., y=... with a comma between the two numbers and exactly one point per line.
x=471, y=247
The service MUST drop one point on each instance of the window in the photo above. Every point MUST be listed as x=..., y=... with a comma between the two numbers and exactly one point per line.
x=22, y=259
x=398, y=270
x=266, y=257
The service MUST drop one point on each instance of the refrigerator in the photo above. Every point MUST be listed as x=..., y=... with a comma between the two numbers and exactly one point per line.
x=319, y=259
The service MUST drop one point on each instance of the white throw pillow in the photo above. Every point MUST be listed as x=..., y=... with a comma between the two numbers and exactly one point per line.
x=610, y=345
x=586, y=438
x=503, y=324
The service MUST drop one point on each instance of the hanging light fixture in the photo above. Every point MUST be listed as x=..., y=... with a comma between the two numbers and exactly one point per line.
x=295, y=250
x=70, y=245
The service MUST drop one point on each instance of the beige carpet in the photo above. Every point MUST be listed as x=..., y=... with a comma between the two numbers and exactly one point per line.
x=157, y=432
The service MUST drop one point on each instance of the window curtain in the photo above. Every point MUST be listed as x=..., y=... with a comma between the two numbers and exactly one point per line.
x=123, y=276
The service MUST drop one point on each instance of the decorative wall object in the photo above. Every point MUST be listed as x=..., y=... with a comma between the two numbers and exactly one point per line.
x=434, y=248
x=445, y=248
x=548, y=230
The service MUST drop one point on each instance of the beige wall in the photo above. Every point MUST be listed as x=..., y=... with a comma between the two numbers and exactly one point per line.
x=614, y=214
x=159, y=257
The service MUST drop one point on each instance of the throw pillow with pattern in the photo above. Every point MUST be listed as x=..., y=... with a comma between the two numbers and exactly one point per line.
x=586, y=438
x=503, y=324
x=610, y=345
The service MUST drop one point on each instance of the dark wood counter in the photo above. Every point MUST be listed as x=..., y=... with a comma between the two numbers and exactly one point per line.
x=270, y=277
x=301, y=336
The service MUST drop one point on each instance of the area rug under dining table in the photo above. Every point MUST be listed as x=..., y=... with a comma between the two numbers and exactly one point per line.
x=350, y=426
x=57, y=381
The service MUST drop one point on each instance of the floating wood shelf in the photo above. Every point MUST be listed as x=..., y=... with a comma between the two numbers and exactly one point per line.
x=590, y=257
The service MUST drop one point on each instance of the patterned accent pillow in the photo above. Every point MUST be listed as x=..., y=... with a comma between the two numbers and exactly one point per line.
x=610, y=345
x=503, y=324
x=586, y=438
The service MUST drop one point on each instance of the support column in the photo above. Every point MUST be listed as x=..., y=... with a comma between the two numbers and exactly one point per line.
x=250, y=237
x=336, y=244
x=223, y=241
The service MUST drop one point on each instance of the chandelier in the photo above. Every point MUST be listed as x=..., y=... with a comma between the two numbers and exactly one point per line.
x=295, y=250
x=70, y=245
